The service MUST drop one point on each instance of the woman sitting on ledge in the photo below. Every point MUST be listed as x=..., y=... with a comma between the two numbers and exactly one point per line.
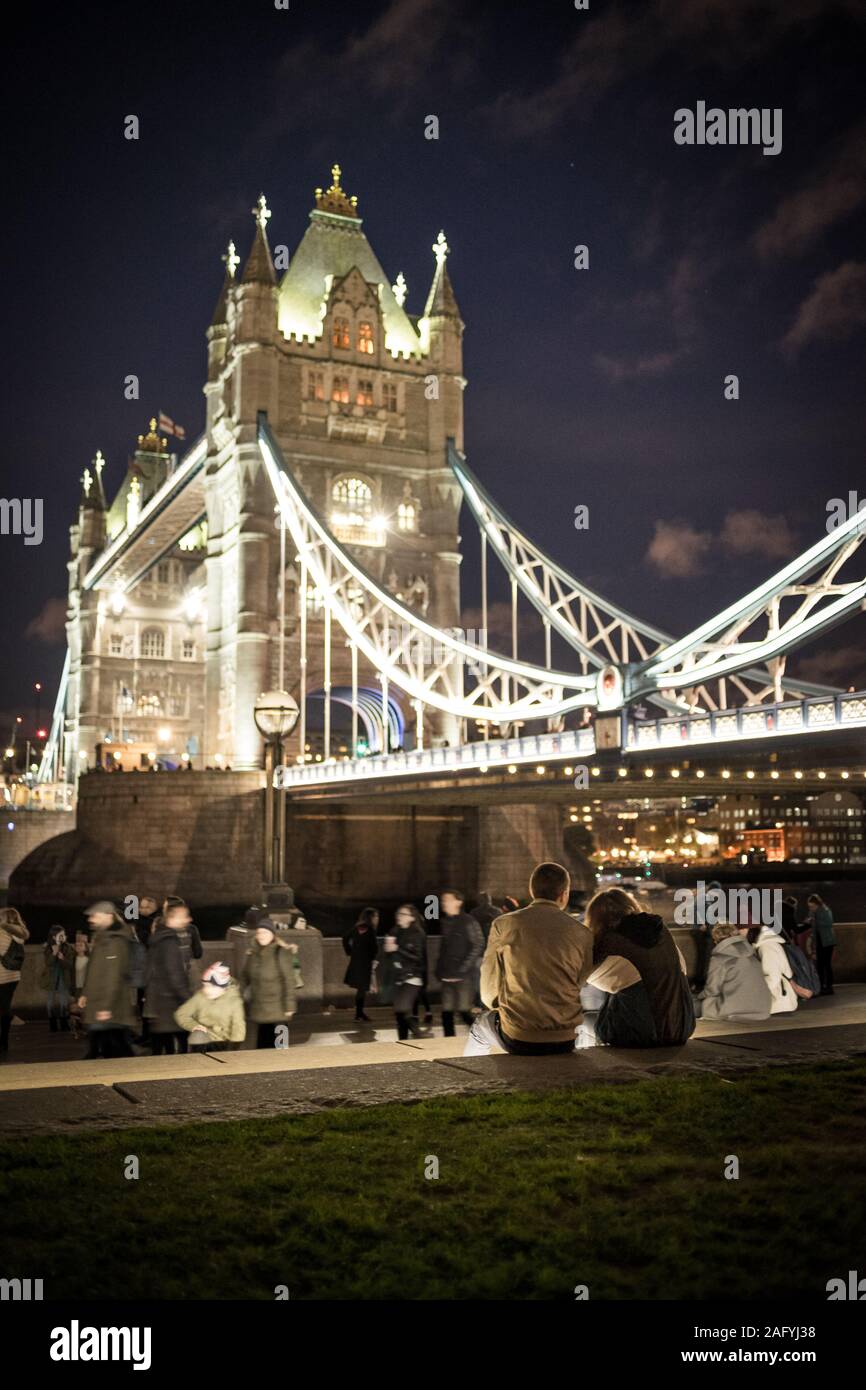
x=735, y=988
x=638, y=966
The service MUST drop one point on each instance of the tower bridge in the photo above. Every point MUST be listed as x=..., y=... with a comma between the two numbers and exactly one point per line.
x=310, y=538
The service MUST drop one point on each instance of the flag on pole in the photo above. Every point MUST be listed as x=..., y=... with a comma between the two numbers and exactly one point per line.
x=168, y=426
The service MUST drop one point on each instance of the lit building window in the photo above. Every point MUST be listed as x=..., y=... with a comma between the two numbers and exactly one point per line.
x=153, y=642
x=365, y=393
x=115, y=644
x=188, y=649
x=389, y=397
x=340, y=390
x=340, y=336
x=365, y=338
x=149, y=704
x=406, y=516
x=316, y=386
x=352, y=516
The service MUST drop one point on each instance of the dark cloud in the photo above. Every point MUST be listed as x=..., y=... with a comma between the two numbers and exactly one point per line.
x=49, y=625
x=834, y=310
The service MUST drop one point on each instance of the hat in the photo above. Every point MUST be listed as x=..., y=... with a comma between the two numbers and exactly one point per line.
x=217, y=974
x=252, y=915
x=265, y=924
x=102, y=906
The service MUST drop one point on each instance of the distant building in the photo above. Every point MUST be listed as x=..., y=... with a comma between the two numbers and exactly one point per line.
x=824, y=829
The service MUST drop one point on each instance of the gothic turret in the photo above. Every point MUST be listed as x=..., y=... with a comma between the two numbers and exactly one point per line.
x=442, y=330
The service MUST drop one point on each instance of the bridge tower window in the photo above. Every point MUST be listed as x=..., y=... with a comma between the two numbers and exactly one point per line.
x=152, y=642
x=340, y=391
x=406, y=518
x=352, y=516
x=365, y=338
x=365, y=393
x=340, y=337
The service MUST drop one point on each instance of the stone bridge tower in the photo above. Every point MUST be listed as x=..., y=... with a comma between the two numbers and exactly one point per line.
x=363, y=397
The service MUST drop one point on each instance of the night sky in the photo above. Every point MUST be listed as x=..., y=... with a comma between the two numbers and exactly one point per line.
x=602, y=387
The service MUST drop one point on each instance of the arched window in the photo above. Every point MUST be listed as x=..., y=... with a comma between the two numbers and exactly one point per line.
x=365, y=338
x=352, y=516
x=153, y=642
x=406, y=519
x=340, y=336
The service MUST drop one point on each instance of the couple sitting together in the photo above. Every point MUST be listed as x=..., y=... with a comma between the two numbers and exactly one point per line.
x=551, y=983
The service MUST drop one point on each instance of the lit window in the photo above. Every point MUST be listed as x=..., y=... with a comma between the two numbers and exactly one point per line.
x=365, y=393
x=188, y=649
x=316, y=386
x=115, y=644
x=153, y=642
x=340, y=390
x=149, y=704
x=389, y=397
x=365, y=338
x=406, y=516
x=352, y=513
x=341, y=333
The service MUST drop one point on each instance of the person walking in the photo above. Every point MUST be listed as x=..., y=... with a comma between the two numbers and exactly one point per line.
x=824, y=940
x=268, y=980
x=460, y=949
x=56, y=978
x=13, y=934
x=214, y=1016
x=148, y=916
x=536, y=961
x=166, y=983
x=407, y=951
x=110, y=983
x=362, y=947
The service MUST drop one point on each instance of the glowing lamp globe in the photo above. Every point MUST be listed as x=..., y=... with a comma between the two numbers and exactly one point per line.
x=276, y=713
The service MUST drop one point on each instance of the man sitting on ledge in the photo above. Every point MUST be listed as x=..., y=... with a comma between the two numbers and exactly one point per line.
x=533, y=968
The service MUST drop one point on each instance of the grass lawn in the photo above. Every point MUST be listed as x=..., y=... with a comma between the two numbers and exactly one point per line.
x=620, y=1188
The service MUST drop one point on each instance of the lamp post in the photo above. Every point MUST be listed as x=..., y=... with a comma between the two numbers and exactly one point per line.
x=276, y=713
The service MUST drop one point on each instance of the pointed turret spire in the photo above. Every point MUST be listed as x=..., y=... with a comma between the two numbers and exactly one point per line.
x=231, y=260
x=259, y=269
x=441, y=301
x=92, y=490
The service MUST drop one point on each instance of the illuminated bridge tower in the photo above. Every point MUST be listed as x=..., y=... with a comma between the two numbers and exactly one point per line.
x=362, y=397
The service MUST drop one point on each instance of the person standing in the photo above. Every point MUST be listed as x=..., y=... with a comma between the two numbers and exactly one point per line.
x=56, y=978
x=362, y=947
x=166, y=984
x=148, y=916
x=268, y=979
x=460, y=949
x=13, y=934
x=407, y=951
x=824, y=937
x=109, y=985
x=80, y=959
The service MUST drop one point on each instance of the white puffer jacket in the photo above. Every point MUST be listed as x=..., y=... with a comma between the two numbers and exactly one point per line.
x=777, y=971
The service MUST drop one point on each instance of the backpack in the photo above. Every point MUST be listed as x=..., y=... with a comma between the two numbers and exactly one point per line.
x=13, y=957
x=802, y=969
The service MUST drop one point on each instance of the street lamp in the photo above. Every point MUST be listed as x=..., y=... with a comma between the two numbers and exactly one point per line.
x=276, y=713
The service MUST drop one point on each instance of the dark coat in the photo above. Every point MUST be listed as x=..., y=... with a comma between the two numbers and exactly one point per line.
x=166, y=986
x=362, y=948
x=190, y=947
x=485, y=914
x=268, y=978
x=409, y=961
x=461, y=947
x=655, y=1008
x=111, y=975
x=47, y=979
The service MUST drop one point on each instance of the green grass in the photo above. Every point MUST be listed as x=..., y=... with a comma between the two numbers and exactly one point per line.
x=620, y=1188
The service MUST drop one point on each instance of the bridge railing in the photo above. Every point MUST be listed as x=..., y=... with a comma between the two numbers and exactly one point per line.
x=816, y=714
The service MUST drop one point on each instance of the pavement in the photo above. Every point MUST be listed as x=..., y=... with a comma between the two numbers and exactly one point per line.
x=333, y=1062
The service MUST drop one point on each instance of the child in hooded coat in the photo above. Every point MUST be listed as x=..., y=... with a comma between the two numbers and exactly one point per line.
x=214, y=1016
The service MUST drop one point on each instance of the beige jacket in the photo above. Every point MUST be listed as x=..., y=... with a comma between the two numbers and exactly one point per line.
x=536, y=962
x=7, y=932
